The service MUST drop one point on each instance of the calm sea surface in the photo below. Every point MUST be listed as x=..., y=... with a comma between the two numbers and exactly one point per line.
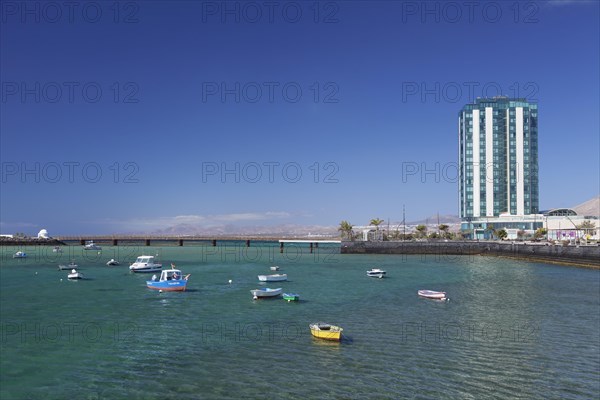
x=510, y=330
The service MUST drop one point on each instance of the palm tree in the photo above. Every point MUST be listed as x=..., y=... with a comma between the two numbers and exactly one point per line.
x=502, y=234
x=444, y=229
x=586, y=226
x=346, y=227
x=540, y=233
x=376, y=222
x=492, y=231
x=422, y=229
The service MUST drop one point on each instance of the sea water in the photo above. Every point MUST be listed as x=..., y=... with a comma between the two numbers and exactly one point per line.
x=510, y=329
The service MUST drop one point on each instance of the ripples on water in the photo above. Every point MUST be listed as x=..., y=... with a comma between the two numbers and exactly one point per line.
x=510, y=330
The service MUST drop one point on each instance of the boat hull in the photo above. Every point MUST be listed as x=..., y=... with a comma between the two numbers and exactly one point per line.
x=168, y=286
x=333, y=333
x=431, y=294
x=272, y=278
x=376, y=273
x=145, y=270
x=291, y=297
x=258, y=293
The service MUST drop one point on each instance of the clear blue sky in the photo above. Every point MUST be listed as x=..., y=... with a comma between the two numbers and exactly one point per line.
x=145, y=94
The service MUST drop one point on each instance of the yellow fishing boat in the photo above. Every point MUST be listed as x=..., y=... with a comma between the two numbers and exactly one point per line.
x=325, y=331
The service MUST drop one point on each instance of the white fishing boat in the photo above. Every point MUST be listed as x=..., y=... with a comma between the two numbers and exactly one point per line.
x=272, y=278
x=75, y=275
x=432, y=294
x=376, y=273
x=57, y=249
x=145, y=264
x=275, y=268
x=90, y=245
x=112, y=261
x=69, y=266
x=20, y=254
x=266, y=292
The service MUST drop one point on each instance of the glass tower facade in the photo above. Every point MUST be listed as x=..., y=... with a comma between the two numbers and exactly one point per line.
x=498, y=158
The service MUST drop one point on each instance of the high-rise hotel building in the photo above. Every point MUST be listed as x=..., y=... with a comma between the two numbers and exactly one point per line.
x=498, y=158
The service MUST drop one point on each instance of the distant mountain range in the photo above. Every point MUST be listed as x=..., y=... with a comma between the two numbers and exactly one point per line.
x=255, y=230
x=588, y=208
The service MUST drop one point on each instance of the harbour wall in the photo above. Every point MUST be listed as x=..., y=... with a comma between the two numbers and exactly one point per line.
x=583, y=256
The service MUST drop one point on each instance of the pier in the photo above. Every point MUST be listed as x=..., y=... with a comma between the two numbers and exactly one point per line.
x=214, y=241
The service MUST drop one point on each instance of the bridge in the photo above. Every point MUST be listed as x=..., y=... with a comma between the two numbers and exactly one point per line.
x=115, y=240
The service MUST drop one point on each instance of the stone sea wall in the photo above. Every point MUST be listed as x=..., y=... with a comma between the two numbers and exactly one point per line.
x=585, y=256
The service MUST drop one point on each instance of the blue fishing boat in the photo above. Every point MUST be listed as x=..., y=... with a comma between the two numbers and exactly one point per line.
x=170, y=280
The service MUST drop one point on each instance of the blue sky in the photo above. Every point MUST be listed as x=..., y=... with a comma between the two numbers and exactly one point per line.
x=135, y=116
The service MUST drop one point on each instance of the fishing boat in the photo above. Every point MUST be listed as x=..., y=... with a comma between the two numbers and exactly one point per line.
x=266, y=292
x=171, y=280
x=112, y=261
x=431, y=294
x=145, y=264
x=57, y=249
x=20, y=254
x=291, y=297
x=275, y=268
x=90, y=245
x=325, y=331
x=75, y=275
x=69, y=266
x=272, y=278
x=376, y=273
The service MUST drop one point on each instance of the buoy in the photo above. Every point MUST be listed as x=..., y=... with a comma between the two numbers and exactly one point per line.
x=61, y=280
x=253, y=298
x=229, y=280
x=160, y=291
x=36, y=273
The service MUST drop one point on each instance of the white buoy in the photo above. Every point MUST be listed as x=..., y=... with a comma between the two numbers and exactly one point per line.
x=229, y=281
x=61, y=280
x=160, y=291
x=36, y=273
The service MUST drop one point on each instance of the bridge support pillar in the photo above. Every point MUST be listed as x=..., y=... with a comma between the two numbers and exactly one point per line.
x=311, y=247
x=214, y=242
x=115, y=242
x=82, y=241
x=180, y=242
x=147, y=242
x=248, y=243
x=281, y=247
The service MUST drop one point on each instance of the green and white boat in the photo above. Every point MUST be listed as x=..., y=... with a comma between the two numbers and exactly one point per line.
x=291, y=297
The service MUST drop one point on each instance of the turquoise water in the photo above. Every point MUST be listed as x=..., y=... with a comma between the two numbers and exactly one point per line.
x=510, y=330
